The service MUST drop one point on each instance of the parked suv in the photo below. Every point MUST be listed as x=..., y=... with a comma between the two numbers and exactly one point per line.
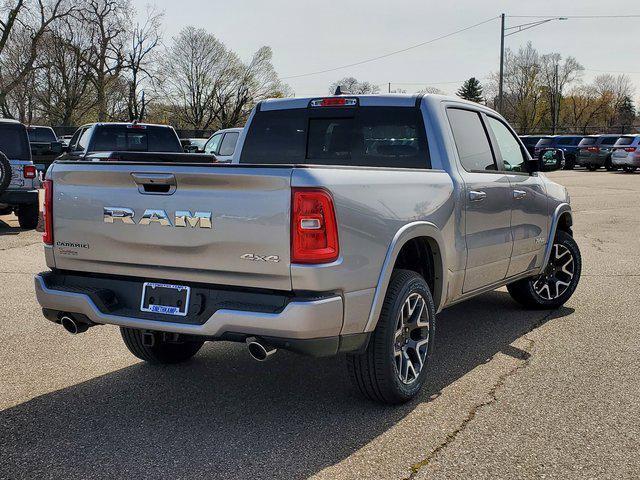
x=530, y=142
x=222, y=144
x=98, y=140
x=18, y=176
x=594, y=151
x=343, y=225
x=626, y=153
x=45, y=146
x=567, y=143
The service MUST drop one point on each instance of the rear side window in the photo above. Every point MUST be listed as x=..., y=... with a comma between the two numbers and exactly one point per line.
x=471, y=140
x=625, y=141
x=588, y=141
x=228, y=145
x=365, y=136
x=141, y=139
x=14, y=142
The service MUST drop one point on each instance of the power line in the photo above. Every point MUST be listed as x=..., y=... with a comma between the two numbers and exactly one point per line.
x=608, y=71
x=574, y=16
x=391, y=53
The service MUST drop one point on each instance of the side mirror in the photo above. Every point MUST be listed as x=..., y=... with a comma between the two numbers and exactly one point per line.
x=550, y=159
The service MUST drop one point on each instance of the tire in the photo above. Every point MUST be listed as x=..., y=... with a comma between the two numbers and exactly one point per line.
x=377, y=372
x=162, y=351
x=592, y=168
x=5, y=172
x=570, y=162
x=609, y=166
x=28, y=216
x=531, y=292
x=629, y=169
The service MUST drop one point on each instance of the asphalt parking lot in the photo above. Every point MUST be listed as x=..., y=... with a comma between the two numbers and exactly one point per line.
x=512, y=394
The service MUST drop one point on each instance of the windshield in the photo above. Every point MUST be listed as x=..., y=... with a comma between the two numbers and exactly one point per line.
x=588, y=141
x=14, y=142
x=108, y=138
x=625, y=141
x=545, y=142
x=364, y=136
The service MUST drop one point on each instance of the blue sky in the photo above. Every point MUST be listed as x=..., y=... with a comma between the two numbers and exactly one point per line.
x=307, y=36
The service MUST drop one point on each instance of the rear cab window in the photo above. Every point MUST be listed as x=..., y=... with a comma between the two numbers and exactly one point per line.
x=14, y=142
x=139, y=138
x=41, y=134
x=392, y=137
x=228, y=145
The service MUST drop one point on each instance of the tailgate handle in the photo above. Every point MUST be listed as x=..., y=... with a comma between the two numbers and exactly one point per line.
x=155, y=183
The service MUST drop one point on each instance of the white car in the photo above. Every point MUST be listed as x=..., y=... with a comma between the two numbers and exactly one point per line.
x=626, y=153
x=222, y=144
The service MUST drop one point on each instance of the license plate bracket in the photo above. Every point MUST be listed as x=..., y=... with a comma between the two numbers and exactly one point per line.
x=165, y=298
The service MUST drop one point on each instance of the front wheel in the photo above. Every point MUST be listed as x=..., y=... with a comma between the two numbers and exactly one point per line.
x=156, y=347
x=555, y=285
x=392, y=370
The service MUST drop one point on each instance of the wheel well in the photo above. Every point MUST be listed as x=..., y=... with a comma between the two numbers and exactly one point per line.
x=565, y=222
x=422, y=255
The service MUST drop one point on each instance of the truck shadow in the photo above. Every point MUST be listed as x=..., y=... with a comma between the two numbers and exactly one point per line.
x=7, y=229
x=224, y=415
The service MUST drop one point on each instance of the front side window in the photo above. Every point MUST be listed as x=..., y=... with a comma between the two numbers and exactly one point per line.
x=212, y=145
x=512, y=157
x=83, y=142
x=471, y=140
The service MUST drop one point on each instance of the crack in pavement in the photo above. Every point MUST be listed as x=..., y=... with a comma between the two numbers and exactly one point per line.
x=493, y=397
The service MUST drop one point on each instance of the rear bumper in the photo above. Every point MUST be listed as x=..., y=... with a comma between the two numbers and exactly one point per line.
x=311, y=326
x=591, y=160
x=19, y=197
x=626, y=161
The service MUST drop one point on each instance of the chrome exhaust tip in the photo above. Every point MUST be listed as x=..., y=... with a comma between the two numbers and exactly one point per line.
x=72, y=326
x=258, y=350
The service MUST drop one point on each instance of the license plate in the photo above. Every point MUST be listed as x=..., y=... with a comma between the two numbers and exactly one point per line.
x=165, y=298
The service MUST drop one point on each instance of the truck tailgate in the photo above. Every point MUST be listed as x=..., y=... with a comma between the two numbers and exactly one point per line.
x=247, y=243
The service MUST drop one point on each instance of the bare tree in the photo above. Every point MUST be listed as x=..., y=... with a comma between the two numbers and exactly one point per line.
x=140, y=61
x=353, y=86
x=106, y=21
x=555, y=76
x=23, y=26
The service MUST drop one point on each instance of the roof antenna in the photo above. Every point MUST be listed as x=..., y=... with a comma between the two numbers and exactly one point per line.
x=338, y=91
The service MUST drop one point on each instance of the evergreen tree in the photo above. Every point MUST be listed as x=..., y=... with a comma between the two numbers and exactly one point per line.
x=471, y=90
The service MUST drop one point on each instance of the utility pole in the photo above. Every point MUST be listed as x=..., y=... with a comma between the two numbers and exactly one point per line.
x=389, y=87
x=556, y=100
x=500, y=83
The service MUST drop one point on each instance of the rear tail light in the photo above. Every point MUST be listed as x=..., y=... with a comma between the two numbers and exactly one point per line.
x=630, y=149
x=314, y=229
x=47, y=236
x=593, y=149
x=334, y=102
x=29, y=171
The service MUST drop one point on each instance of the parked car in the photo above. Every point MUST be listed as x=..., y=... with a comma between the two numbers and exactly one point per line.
x=18, y=176
x=594, y=151
x=347, y=228
x=567, y=143
x=193, y=145
x=222, y=144
x=626, y=153
x=45, y=146
x=64, y=140
x=98, y=140
x=530, y=142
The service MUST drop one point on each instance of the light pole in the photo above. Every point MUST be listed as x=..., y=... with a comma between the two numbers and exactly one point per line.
x=514, y=29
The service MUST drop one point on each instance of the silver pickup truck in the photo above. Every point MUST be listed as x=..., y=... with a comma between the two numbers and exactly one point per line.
x=343, y=225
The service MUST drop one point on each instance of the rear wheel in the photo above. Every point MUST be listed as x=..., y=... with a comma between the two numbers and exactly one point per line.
x=592, y=168
x=5, y=172
x=28, y=216
x=157, y=347
x=570, y=162
x=609, y=165
x=556, y=284
x=629, y=169
x=393, y=368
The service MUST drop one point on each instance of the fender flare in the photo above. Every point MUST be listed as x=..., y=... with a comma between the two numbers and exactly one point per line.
x=406, y=233
x=562, y=209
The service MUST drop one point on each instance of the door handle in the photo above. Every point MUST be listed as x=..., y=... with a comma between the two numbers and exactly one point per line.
x=476, y=196
x=519, y=194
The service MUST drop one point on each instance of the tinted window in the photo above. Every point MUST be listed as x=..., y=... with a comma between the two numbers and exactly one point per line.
x=41, y=134
x=530, y=141
x=545, y=142
x=135, y=139
x=212, y=144
x=510, y=150
x=14, y=142
x=229, y=143
x=471, y=140
x=609, y=140
x=366, y=136
x=588, y=141
x=83, y=141
x=625, y=141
